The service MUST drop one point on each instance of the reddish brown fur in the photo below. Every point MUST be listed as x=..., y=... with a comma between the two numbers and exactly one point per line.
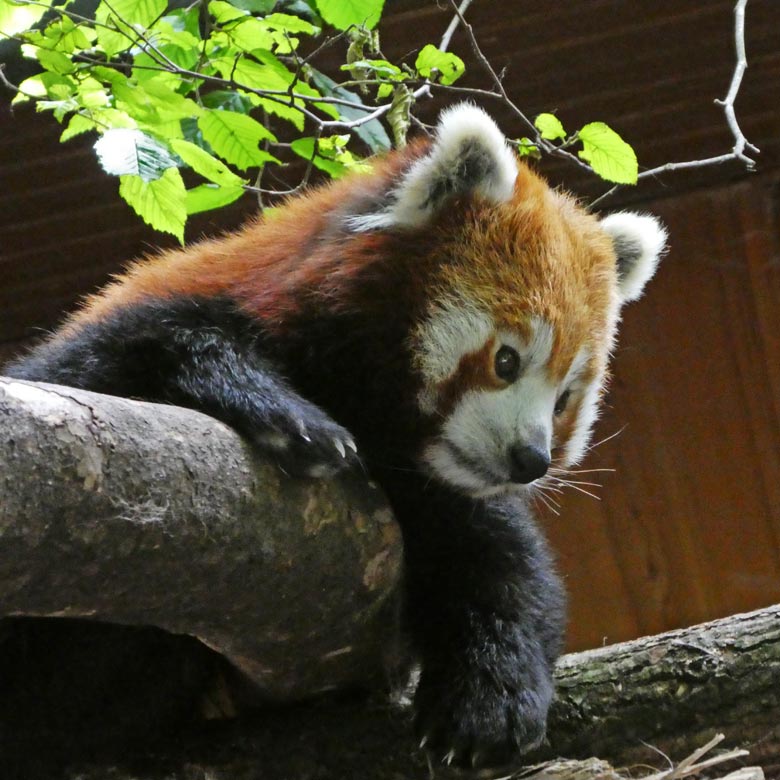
x=269, y=262
x=537, y=255
x=475, y=371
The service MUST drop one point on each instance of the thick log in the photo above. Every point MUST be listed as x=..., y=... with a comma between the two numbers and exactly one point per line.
x=145, y=515
x=630, y=705
x=142, y=514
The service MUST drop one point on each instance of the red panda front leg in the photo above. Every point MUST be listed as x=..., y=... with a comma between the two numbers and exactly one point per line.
x=485, y=610
x=203, y=354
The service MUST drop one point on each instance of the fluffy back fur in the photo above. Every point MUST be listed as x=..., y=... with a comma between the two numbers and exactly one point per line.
x=425, y=268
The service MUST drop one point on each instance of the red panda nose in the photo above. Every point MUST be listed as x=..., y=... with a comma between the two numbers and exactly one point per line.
x=528, y=462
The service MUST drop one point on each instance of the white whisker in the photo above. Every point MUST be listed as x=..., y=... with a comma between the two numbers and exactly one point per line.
x=582, y=490
x=557, y=470
x=560, y=481
x=548, y=502
x=602, y=441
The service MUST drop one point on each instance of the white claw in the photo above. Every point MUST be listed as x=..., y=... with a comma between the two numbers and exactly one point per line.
x=423, y=742
x=448, y=758
x=302, y=430
x=340, y=447
x=351, y=444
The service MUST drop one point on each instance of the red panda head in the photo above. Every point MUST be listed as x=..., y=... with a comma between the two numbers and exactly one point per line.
x=523, y=295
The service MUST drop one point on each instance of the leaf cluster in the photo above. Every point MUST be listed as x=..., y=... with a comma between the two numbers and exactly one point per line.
x=195, y=106
x=602, y=148
x=208, y=90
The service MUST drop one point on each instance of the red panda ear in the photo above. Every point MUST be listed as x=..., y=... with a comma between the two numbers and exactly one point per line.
x=469, y=154
x=639, y=241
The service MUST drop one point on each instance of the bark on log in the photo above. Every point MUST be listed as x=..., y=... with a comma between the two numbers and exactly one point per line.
x=623, y=704
x=142, y=514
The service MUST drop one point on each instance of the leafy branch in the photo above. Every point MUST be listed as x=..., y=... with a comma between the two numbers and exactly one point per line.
x=228, y=92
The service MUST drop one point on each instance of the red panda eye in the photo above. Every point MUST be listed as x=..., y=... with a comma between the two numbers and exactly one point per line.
x=507, y=364
x=560, y=404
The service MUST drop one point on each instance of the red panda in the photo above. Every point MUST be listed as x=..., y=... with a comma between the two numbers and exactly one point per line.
x=446, y=320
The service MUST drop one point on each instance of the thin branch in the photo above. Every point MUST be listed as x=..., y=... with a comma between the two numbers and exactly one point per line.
x=305, y=103
x=501, y=92
x=456, y=20
x=740, y=141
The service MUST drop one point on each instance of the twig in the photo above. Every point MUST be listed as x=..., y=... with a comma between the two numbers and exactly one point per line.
x=444, y=44
x=693, y=766
x=502, y=93
x=740, y=141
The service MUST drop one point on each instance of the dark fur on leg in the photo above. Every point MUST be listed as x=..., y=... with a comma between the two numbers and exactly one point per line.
x=201, y=354
x=486, y=611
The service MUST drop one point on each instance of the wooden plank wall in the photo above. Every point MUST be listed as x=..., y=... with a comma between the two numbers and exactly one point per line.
x=688, y=526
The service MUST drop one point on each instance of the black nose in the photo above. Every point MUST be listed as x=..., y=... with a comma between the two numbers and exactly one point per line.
x=528, y=463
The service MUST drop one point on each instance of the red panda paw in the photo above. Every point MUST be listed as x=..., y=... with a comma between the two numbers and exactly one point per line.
x=307, y=444
x=469, y=723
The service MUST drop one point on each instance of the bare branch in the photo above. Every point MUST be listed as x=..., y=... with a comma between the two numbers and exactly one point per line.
x=444, y=44
x=501, y=92
x=740, y=141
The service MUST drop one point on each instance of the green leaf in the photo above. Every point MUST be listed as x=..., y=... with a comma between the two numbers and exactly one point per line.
x=449, y=66
x=136, y=13
x=345, y=13
x=372, y=133
x=235, y=137
x=154, y=101
x=77, y=125
x=527, y=148
x=206, y=197
x=382, y=68
x=18, y=18
x=185, y=20
x=126, y=152
x=205, y=164
x=608, y=154
x=109, y=39
x=550, y=127
x=55, y=61
x=160, y=203
x=289, y=113
x=227, y=100
x=304, y=147
x=250, y=34
x=384, y=91
x=255, y=6
x=225, y=12
x=290, y=24
x=40, y=86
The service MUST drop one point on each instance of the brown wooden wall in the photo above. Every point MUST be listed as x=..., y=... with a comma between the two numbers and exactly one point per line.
x=688, y=525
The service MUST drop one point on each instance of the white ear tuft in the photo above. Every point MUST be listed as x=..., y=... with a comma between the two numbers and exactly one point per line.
x=469, y=155
x=640, y=241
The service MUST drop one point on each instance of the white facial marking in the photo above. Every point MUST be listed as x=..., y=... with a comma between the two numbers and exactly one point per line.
x=588, y=413
x=472, y=449
x=451, y=330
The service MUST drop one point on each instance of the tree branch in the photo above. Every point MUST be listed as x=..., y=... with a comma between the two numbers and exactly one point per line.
x=136, y=513
x=740, y=141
